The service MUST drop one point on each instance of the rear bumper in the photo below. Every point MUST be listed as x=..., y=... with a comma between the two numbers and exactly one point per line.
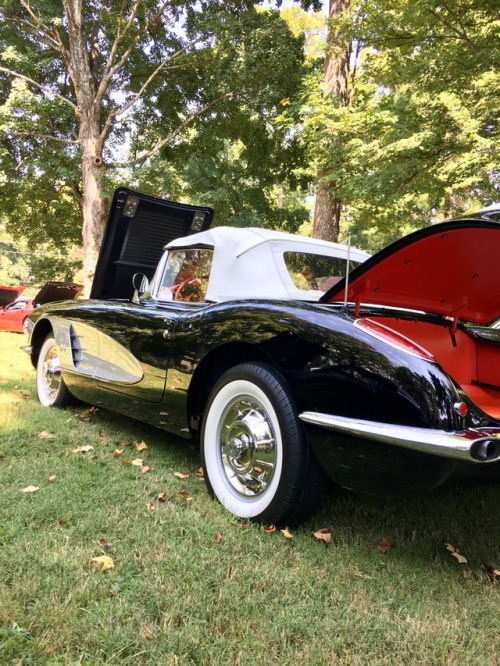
x=480, y=445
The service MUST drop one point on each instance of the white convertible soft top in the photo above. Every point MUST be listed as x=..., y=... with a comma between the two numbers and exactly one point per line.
x=249, y=262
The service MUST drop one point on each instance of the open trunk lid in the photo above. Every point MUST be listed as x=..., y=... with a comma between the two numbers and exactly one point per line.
x=9, y=295
x=57, y=291
x=452, y=269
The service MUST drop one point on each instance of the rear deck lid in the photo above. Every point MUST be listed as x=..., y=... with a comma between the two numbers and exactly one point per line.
x=57, y=291
x=138, y=228
x=9, y=294
x=452, y=269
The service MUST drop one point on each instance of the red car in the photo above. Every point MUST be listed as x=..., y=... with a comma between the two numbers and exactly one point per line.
x=14, y=310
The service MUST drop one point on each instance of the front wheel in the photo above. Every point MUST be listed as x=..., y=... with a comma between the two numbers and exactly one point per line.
x=256, y=458
x=50, y=387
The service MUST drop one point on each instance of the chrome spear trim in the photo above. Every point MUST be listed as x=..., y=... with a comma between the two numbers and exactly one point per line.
x=472, y=444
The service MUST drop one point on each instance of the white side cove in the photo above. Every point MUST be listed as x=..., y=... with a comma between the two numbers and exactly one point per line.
x=249, y=262
x=90, y=352
x=474, y=445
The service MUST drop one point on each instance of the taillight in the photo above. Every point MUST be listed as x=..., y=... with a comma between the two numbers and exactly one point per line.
x=393, y=338
x=461, y=408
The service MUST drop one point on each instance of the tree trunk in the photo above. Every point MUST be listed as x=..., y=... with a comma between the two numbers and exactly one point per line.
x=93, y=204
x=84, y=81
x=327, y=208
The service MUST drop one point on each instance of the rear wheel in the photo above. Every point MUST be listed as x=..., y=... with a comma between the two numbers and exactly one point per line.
x=50, y=387
x=256, y=458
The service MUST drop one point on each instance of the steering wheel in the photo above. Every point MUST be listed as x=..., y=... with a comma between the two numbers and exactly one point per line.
x=178, y=288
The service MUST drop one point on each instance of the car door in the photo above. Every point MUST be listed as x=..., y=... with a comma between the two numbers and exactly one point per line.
x=129, y=336
x=13, y=316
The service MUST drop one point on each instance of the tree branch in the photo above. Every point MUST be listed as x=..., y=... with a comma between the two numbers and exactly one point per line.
x=44, y=89
x=36, y=135
x=38, y=23
x=113, y=50
x=116, y=113
x=159, y=144
x=110, y=70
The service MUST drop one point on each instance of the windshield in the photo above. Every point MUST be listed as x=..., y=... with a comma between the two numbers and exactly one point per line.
x=186, y=274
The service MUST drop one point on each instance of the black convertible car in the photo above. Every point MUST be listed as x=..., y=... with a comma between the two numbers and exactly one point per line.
x=279, y=361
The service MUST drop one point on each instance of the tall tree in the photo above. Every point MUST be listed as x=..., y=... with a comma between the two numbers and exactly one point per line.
x=327, y=209
x=83, y=84
x=419, y=140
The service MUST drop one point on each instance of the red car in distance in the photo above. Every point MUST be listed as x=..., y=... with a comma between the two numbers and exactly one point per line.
x=15, y=309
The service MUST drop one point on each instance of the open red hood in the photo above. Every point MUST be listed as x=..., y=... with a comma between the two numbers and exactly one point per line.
x=9, y=294
x=57, y=291
x=451, y=269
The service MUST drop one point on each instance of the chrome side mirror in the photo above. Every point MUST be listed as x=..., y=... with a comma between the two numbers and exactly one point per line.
x=140, y=283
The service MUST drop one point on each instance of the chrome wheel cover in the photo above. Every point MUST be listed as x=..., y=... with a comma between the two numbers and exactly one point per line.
x=51, y=373
x=247, y=446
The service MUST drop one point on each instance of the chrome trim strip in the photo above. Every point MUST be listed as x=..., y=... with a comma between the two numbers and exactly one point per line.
x=474, y=445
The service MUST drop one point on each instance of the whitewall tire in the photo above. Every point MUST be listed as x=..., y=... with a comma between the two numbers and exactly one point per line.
x=255, y=455
x=50, y=387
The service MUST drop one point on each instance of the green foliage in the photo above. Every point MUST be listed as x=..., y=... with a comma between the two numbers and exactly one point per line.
x=186, y=86
x=237, y=158
x=419, y=139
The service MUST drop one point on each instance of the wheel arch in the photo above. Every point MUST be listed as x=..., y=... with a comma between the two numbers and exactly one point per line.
x=40, y=332
x=211, y=368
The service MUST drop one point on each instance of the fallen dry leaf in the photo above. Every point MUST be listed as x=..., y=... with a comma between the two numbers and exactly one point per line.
x=30, y=489
x=269, y=528
x=323, y=535
x=124, y=461
x=52, y=478
x=46, y=435
x=162, y=497
x=454, y=552
x=140, y=446
x=150, y=506
x=287, y=534
x=138, y=462
x=218, y=537
x=180, y=475
x=118, y=453
x=385, y=545
x=103, y=562
x=87, y=414
x=146, y=469
x=83, y=449
x=460, y=558
x=200, y=474
x=181, y=495
x=103, y=543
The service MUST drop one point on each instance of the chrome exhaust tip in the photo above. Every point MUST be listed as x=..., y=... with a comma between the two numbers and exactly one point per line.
x=485, y=450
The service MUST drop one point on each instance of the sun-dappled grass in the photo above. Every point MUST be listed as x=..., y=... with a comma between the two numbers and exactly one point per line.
x=192, y=586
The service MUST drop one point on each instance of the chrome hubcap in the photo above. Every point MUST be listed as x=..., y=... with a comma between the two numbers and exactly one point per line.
x=51, y=373
x=247, y=446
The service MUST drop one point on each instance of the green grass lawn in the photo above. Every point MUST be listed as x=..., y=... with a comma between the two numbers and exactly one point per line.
x=192, y=586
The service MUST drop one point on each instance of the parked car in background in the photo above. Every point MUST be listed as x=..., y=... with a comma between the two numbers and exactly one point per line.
x=14, y=315
x=9, y=294
x=280, y=362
